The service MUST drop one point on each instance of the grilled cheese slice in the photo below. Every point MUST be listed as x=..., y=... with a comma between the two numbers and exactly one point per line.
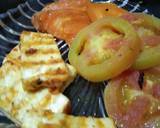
x=67, y=121
x=42, y=108
x=42, y=63
x=21, y=105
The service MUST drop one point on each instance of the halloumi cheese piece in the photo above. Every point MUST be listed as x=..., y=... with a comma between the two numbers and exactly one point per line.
x=60, y=120
x=40, y=109
x=24, y=106
x=42, y=63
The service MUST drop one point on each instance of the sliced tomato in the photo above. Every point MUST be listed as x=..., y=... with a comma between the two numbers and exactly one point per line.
x=101, y=10
x=148, y=28
x=64, y=24
x=130, y=107
x=92, y=56
x=152, y=122
x=152, y=82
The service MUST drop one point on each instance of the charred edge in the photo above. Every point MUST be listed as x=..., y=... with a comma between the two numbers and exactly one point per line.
x=31, y=51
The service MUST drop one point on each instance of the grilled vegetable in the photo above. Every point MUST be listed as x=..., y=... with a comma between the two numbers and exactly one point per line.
x=151, y=83
x=101, y=10
x=148, y=28
x=104, y=49
x=63, y=19
x=128, y=105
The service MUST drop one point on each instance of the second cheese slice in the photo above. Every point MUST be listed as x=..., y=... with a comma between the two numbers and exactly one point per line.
x=42, y=63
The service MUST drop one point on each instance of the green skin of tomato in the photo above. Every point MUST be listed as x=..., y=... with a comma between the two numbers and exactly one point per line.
x=113, y=66
x=149, y=57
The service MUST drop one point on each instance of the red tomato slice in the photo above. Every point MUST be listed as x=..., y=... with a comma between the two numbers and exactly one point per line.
x=129, y=106
x=152, y=81
x=64, y=24
x=148, y=29
x=152, y=122
x=100, y=10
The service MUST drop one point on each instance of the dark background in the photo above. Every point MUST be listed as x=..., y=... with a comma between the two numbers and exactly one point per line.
x=152, y=5
x=7, y=4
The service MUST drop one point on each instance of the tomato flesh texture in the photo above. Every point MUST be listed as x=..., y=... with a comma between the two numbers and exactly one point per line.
x=148, y=28
x=99, y=70
x=95, y=50
x=132, y=107
x=152, y=82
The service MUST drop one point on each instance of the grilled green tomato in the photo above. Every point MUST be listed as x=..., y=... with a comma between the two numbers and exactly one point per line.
x=148, y=28
x=104, y=49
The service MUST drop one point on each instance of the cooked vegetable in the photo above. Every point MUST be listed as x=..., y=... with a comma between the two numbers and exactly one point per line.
x=128, y=105
x=64, y=24
x=152, y=81
x=148, y=58
x=104, y=49
x=101, y=10
x=148, y=28
x=65, y=18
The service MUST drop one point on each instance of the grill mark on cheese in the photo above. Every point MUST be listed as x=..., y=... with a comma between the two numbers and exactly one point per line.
x=100, y=124
x=58, y=71
x=40, y=47
x=55, y=79
x=49, y=126
x=68, y=121
x=38, y=70
x=36, y=42
x=42, y=57
x=37, y=35
x=33, y=51
x=35, y=63
x=54, y=82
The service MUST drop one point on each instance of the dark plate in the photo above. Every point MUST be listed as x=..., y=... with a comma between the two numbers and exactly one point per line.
x=86, y=97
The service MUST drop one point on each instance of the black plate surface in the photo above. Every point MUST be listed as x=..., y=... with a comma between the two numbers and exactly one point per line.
x=86, y=97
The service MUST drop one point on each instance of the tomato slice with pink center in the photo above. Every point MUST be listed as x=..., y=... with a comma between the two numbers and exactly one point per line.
x=104, y=49
x=148, y=28
x=128, y=105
